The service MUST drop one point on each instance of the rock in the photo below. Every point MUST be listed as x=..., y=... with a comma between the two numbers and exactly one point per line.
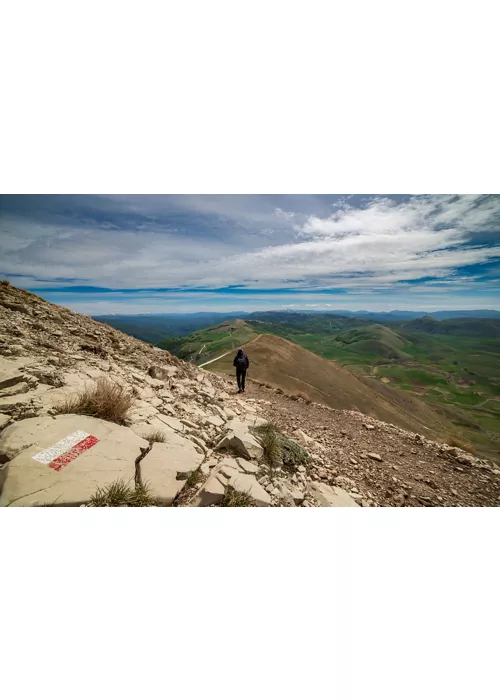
x=331, y=496
x=164, y=373
x=211, y=493
x=368, y=426
x=4, y=419
x=297, y=496
x=64, y=460
x=302, y=438
x=356, y=496
x=167, y=466
x=353, y=461
x=375, y=456
x=241, y=443
x=248, y=467
x=246, y=483
x=189, y=424
x=215, y=421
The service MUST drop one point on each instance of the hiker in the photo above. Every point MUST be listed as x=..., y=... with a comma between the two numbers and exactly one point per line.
x=241, y=363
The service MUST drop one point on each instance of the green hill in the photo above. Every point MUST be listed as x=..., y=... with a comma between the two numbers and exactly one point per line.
x=204, y=345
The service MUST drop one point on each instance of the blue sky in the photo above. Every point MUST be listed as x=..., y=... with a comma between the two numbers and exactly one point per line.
x=174, y=253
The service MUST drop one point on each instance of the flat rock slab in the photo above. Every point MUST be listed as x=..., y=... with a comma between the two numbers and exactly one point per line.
x=332, y=496
x=246, y=483
x=167, y=466
x=63, y=460
x=241, y=443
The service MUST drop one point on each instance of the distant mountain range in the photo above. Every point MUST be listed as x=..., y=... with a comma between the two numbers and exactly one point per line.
x=153, y=328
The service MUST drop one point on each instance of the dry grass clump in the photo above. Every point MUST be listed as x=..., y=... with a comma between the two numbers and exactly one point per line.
x=156, y=436
x=106, y=399
x=120, y=494
x=455, y=441
x=236, y=499
x=269, y=436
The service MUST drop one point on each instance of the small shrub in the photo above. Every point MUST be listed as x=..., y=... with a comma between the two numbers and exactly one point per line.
x=120, y=493
x=106, y=399
x=155, y=436
x=293, y=454
x=5, y=283
x=236, y=499
x=455, y=441
x=280, y=450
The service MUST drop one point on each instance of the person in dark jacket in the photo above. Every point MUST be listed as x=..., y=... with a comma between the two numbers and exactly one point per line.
x=241, y=363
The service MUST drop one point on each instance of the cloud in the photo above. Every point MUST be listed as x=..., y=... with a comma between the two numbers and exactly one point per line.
x=304, y=242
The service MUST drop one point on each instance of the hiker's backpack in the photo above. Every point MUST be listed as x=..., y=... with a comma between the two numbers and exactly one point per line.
x=241, y=362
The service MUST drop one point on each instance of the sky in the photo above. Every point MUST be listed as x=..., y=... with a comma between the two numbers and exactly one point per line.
x=100, y=254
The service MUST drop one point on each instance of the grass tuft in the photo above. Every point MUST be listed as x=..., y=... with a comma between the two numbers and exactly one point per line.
x=236, y=499
x=120, y=493
x=156, y=436
x=106, y=400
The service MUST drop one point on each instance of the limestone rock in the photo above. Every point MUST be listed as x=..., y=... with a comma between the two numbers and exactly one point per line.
x=302, y=438
x=241, y=443
x=246, y=483
x=211, y=493
x=331, y=496
x=248, y=467
x=376, y=457
x=167, y=466
x=40, y=470
x=4, y=419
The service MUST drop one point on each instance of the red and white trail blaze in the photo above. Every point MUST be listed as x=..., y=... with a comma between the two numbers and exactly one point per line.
x=66, y=450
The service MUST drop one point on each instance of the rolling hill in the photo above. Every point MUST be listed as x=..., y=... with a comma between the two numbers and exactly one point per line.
x=203, y=345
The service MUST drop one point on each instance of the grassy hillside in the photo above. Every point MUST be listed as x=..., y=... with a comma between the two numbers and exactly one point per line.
x=203, y=345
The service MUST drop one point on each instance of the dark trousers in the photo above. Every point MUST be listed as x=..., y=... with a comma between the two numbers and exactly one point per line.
x=241, y=375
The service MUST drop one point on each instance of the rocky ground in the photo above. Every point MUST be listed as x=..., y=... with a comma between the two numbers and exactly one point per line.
x=48, y=353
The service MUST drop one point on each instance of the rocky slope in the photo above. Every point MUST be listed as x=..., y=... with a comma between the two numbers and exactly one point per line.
x=210, y=449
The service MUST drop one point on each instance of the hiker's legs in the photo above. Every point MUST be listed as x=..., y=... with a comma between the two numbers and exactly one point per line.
x=238, y=379
x=243, y=379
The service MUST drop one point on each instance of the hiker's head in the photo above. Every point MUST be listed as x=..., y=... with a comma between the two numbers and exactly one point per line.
x=240, y=352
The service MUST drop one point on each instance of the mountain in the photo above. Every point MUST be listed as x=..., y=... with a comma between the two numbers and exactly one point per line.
x=92, y=417
x=153, y=328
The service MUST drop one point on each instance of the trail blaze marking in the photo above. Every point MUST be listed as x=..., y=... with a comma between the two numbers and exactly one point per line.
x=66, y=450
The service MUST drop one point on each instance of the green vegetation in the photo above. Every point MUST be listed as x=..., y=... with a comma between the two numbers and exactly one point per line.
x=280, y=450
x=206, y=344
